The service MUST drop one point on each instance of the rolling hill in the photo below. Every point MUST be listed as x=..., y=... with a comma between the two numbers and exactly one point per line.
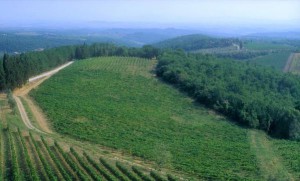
x=195, y=42
x=118, y=103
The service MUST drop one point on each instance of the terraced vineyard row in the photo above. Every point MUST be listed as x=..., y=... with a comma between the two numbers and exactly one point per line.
x=29, y=157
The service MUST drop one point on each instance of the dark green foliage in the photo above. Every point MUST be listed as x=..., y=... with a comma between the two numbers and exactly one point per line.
x=18, y=68
x=149, y=52
x=2, y=75
x=196, y=42
x=254, y=96
x=96, y=50
x=242, y=55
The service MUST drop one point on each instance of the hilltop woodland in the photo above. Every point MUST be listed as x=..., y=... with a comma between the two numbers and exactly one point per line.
x=251, y=95
x=196, y=42
x=16, y=70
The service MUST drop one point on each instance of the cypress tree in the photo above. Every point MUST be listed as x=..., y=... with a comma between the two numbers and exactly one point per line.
x=2, y=76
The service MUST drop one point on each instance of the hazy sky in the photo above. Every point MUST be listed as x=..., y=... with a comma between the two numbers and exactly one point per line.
x=158, y=11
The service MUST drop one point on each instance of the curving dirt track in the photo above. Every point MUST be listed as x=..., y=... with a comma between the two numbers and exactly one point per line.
x=24, y=115
x=22, y=92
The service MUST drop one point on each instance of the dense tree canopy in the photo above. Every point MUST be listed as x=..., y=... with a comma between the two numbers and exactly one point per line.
x=255, y=96
x=196, y=42
x=242, y=55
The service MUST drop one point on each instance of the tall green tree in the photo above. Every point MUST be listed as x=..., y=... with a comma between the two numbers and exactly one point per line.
x=2, y=76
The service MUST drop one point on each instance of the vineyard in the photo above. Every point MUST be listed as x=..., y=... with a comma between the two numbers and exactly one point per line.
x=27, y=156
x=128, y=125
x=119, y=103
x=276, y=60
x=294, y=66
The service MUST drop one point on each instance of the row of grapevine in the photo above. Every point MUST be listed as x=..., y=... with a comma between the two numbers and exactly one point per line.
x=86, y=166
x=114, y=171
x=14, y=158
x=45, y=163
x=1, y=155
x=141, y=174
x=61, y=168
x=6, y=155
x=23, y=167
x=29, y=159
x=156, y=176
x=171, y=178
x=35, y=159
x=33, y=175
x=72, y=164
x=102, y=171
x=129, y=174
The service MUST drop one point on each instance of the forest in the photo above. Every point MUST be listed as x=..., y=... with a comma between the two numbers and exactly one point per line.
x=196, y=42
x=241, y=55
x=15, y=70
x=253, y=96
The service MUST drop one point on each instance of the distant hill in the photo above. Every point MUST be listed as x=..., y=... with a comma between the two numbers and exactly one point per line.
x=144, y=36
x=275, y=35
x=196, y=42
x=19, y=40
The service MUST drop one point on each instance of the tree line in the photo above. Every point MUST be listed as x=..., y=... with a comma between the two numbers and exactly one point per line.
x=197, y=42
x=15, y=70
x=242, y=55
x=254, y=96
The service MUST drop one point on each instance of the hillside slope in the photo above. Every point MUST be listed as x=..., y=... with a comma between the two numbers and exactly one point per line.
x=27, y=154
x=117, y=102
x=196, y=42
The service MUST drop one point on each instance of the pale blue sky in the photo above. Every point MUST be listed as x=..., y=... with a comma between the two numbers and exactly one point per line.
x=158, y=11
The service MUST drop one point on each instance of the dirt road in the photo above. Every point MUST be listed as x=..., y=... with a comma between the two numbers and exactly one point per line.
x=46, y=74
x=24, y=115
x=22, y=92
x=289, y=62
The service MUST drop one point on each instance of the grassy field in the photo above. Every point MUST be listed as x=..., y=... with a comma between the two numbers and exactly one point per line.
x=276, y=60
x=289, y=152
x=118, y=103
